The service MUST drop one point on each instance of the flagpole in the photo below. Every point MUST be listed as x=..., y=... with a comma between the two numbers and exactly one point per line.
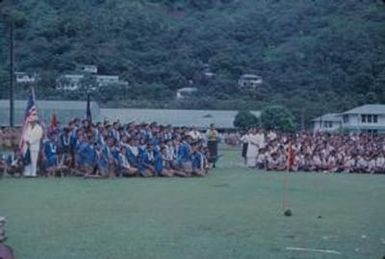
x=285, y=187
x=33, y=93
x=11, y=74
x=286, y=210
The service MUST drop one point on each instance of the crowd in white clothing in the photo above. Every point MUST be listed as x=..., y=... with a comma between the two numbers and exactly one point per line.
x=354, y=153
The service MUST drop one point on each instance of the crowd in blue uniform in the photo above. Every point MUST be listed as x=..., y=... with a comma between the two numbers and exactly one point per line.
x=112, y=149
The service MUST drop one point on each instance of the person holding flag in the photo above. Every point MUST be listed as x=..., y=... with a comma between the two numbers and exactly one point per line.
x=30, y=138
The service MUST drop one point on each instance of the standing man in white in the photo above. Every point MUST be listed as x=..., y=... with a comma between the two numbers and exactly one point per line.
x=252, y=148
x=32, y=136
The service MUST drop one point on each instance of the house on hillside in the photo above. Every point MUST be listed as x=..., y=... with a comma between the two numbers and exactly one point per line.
x=103, y=80
x=92, y=69
x=367, y=118
x=25, y=78
x=327, y=123
x=72, y=82
x=69, y=82
x=249, y=81
x=185, y=92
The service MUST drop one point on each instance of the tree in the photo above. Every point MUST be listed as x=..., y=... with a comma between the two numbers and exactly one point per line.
x=278, y=118
x=245, y=119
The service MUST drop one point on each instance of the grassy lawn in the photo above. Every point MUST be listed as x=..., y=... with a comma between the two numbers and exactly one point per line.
x=233, y=213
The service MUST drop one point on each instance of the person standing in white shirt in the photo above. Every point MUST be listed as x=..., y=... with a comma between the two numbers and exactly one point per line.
x=195, y=134
x=32, y=136
x=252, y=149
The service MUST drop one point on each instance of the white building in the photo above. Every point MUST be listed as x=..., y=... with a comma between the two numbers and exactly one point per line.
x=327, y=123
x=92, y=69
x=249, y=81
x=72, y=82
x=185, y=92
x=366, y=118
x=69, y=82
x=103, y=80
x=22, y=77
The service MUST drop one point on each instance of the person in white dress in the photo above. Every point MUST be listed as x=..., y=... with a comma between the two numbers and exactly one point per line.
x=32, y=136
x=252, y=148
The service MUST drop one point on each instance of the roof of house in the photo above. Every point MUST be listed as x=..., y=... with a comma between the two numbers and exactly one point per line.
x=368, y=109
x=188, y=118
x=329, y=117
x=187, y=89
x=251, y=76
x=65, y=110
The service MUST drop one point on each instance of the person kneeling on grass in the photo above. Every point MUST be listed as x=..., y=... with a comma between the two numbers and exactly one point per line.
x=198, y=161
x=85, y=157
x=50, y=155
x=147, y=161
x=161, y=165
x=3, y=166
x=133, y=152
x=15, y=166
x=124, y=167
x=168, y=163
x=183, y=160
x=107, y=160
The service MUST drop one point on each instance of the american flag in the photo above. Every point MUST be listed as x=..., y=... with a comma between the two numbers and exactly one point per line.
x=30, y=114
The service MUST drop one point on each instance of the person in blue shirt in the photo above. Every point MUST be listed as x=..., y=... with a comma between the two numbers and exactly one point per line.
x=107, y=158
x=199, y=161
x=50, y=154
x=133, y=152
x=147, y=162
x=85, y=156
x=183, y=160
x=124, y=166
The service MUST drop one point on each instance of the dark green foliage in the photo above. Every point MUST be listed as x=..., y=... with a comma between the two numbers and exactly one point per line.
x=245, y=119
x=278, y=118
x=314, y=56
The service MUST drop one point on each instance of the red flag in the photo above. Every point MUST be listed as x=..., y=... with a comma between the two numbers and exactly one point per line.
x=54, y=122
x=290, y=157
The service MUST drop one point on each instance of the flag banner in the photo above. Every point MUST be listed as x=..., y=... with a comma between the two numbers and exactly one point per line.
x=290, y=157
x=54, y=123
x=30, y=114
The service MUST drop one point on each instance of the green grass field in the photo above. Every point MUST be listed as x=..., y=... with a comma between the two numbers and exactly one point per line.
x=233, y=213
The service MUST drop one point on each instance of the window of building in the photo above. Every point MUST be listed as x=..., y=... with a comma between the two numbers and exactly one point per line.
x=369, y=118
x=363, y=118
x=375, y=118
x=345, y=118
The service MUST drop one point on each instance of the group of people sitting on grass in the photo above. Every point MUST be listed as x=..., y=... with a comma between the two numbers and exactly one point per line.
x=319, y=152
x=9, y=137
x=112, y=149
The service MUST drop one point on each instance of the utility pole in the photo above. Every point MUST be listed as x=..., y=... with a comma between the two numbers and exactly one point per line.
x=303, y=120
x=11, y=74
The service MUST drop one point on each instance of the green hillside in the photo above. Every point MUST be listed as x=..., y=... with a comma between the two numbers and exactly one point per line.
x=314, y=56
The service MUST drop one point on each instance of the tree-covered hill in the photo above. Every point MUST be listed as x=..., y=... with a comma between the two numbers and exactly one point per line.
x=314, y=55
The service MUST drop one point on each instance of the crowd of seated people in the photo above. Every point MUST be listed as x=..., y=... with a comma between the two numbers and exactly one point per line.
x=111, y=149
x=320, y=152
x=9, y=137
